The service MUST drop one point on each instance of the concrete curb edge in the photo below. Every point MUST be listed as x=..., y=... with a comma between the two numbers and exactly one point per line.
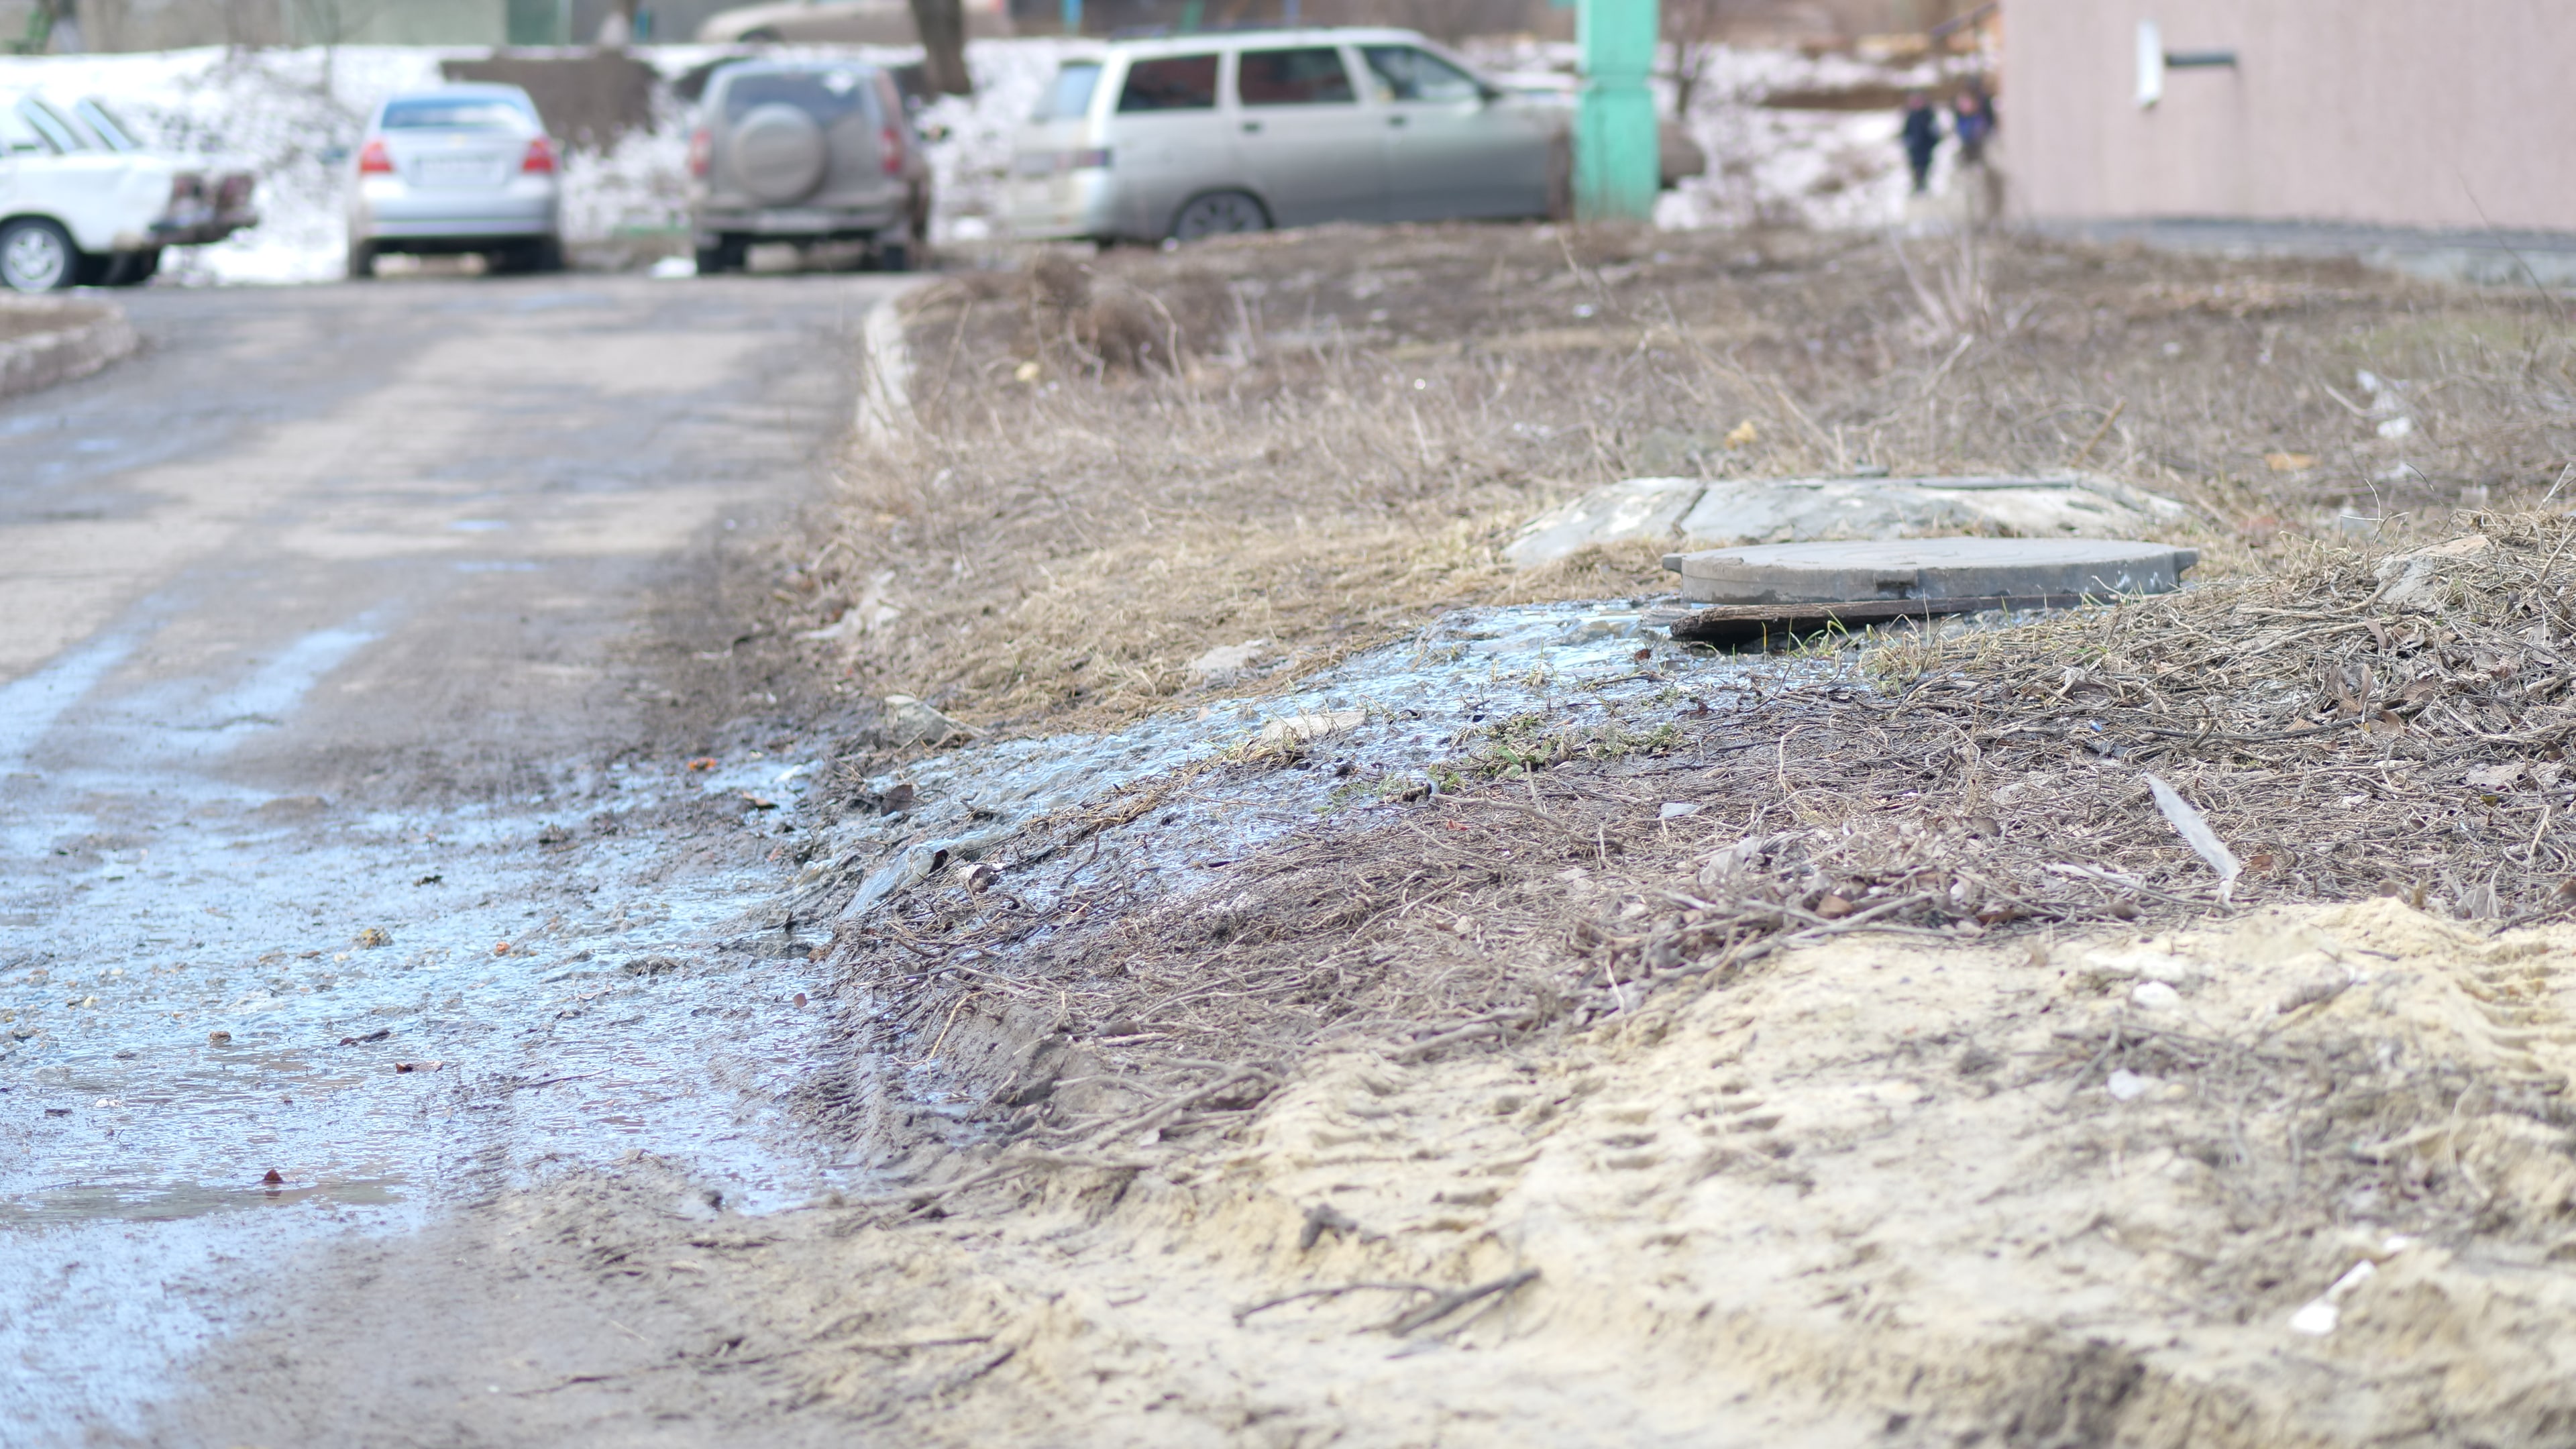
x=885, y=373
x=91, y=336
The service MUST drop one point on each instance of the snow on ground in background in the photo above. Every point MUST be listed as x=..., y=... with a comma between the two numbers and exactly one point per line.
x=283, y=110
x=1823, y=169
x=974, y=161
x=280, y=110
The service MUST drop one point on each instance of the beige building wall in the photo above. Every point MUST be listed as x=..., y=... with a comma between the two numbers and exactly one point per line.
x=2427, y=113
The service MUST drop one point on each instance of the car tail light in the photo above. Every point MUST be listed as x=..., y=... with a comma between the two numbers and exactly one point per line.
x=890, y=151
x=702, y=151
x=375, y=160
x=540, y=158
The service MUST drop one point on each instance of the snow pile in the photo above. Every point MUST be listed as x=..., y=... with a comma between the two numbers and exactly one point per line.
x=975, y=159
x=1822, y=169
x=279, y=110
x=288, y=112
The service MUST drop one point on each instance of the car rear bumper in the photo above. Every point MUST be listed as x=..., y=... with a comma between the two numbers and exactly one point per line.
x=199, y=232
x=796, y=223
x=391, y=210
x=463, y=228
x=1064, y=204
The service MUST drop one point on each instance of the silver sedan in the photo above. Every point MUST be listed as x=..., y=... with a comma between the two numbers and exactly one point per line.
x=464, y=168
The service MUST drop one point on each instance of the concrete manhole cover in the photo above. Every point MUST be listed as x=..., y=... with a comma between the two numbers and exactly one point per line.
x=1930, y=569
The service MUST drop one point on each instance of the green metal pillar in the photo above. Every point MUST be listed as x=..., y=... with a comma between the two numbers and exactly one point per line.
x=1616, y=166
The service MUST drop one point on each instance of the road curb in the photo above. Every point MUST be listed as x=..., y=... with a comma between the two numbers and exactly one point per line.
x=87, y=337
x=885, y=373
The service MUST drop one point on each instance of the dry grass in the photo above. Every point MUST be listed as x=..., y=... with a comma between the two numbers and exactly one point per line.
x=1320, y=438
x=2343, y=741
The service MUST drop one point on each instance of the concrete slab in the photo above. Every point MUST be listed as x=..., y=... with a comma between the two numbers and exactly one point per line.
x=1790, y=510
x=1929, y=568
x=1695, y=513
x=1634, y=508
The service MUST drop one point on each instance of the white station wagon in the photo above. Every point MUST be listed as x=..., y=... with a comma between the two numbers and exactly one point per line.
x=1191, y=135
x=83, y=204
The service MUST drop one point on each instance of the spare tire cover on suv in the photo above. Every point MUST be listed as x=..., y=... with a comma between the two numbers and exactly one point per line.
x=777, y=152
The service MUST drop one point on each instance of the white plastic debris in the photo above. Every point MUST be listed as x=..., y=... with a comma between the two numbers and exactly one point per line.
x=2127, y=1086
x=1676, y=809
x=1227, y=658
x=2187, y=822
x=2322, y=1314
x=1300, y=728
x=2155, y=996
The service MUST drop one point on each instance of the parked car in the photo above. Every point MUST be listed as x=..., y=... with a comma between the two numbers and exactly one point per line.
x=1186, y=136
x=83, y=204
x=806, y=151
x=839, y=22
x=461, y=168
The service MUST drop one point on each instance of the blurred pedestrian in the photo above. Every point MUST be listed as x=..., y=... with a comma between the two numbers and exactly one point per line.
x=1922, y=137
x=1972, y=120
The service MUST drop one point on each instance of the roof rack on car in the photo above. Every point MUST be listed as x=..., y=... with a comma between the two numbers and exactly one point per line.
x=1229, y=27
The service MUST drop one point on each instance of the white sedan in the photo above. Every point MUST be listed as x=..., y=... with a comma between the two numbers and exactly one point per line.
x=463, y=168
x=84, y=205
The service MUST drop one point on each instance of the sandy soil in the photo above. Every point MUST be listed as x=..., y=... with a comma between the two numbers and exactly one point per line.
x=2071, y=1192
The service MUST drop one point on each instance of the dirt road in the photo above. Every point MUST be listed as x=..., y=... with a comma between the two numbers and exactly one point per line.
x=352, y=645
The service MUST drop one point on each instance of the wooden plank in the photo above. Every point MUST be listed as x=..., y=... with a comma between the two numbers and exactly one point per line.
x=1727, y=623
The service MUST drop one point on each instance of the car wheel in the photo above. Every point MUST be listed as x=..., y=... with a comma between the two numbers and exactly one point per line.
x=1219, y=213
x=728, y=255
x=362, y=261
x=37, y=255
x=546, y=254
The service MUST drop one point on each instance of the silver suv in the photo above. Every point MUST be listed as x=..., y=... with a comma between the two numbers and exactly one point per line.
x=1189, y=135
x=806, y=151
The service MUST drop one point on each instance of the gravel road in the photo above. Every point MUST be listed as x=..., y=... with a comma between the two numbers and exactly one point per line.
x=354, y=642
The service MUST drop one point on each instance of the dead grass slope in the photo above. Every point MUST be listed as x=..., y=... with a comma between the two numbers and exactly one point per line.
x=1315, y=438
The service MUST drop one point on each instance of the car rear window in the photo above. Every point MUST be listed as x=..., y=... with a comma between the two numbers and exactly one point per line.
x=117, y=135
x=455, y=113
x=39, y=117
x=1313, y=76
x=1068, y=96
x=15, y=134
x=826, y=95
x=1170, y=83
x=1407, y=74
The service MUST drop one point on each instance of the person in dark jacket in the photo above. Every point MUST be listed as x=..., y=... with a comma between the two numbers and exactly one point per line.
x=1972, y=120
x=1922, y=137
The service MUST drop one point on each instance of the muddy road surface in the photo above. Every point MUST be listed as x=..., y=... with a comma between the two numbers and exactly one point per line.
x=355, y=643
